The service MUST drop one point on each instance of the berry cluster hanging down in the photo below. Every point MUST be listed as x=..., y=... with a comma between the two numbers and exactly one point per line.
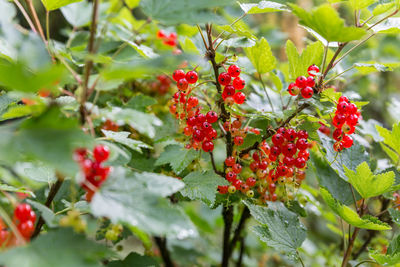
x=233, y=85
x=304, y=85
x=94, y=171
x=170, y=39
x=345, y=120
x=24, y=218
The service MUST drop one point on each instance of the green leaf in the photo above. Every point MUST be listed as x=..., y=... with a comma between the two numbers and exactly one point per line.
x=280, y=228
x=249, y=140
x=135, y=260
x=46, y=213
x=350, y=216
x=132, y=3
x=261, y=56
x=140, y=102
x=176, y=11
x=202, y=185
x=366, y=68
x=177, y=157
x=123, y=138
x=56, y=4
x=239, y=30
x=189, y=47
x=391, y=139
x=263, y=7
x=330, y=180
x=360, y=4
x=45, y=251
x=298, y=64
x=395, y=214
x=326, y=22
x=349, y=157
x=138, y=200
x=9, y=188
x=392, y=256
x=330, y=95
x=78, y=14
x=391, y=25
x=368, y=184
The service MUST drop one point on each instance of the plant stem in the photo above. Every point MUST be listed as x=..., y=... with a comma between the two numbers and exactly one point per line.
x=266, y=92
x=162, y=246
x=239, y=229
x=230, y=25
x=36, y=20
x=241, y=252
x=227, y=215
x=26, y=16
x=300, y=259
x=53, y=192
x=381, y=20
x=214, y=166
x=338, y=75
x=89, y=62
x=351, y=49
x=347, y=254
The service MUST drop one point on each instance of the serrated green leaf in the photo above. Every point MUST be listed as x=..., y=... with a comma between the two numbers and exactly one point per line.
x=189, y=47
x=9, y=188
x=76, y=251
x=366, y=68
x=56, y=4
x=350, y=216
x=137, y=200
x=177, y=157
x=280, y=228
x=392, y=256
x=391, y=141
x=330, y=95
x=261, y=56
x=77, y=14
x=263, y=7
x=123, y=138
x=202, y=185
x=298, y=64
x=368, y=184
x=238, y=30
x=249, y=140
x=360, y=4
x=395, y=214
x=141, y=102
x=135, y=260
x=326, y=22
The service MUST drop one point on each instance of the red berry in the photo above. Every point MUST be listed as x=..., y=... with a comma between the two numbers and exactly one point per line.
x=338, y=120
x=191, y=76
x=251, y=181
x=338, y=146
x=352, y=109
x=230, y=161
x=182, y=84
x=300, y=163
x=310, y=81
x=206, y=127
x=178, y=74
x=302, y=134
x=192, y=101
x=343, y=99
x=288, y=161
x=352, y=119
x=200, y=119
x=277, y=139
x=337, y=134
x=239, y=83
x=234, y=70
x=275, y=151
x=254, y=166
x=290, y=134
x=271, y=187
x=302, y=144
x=342, y=107
x=239, y=98
x=101, y=153
x=238, y=140
x=347, y=141
x=230, y=176
x=229, y=90
x=32, y=216
x=304, y=154
x=313, y=70
x=289, y=150
x=26, y=229
x=307, y=92
x=237, y=168
x=301, y=82
x=281, y=130
x=263, y=165
x=293, y=89
x=161, y=34
x=282, y=170
x=198, y=136
x=23, y=212
x=191, y=121
x=212, y=116
x=224, y=78
x=212, y=134
x=207, y=146
x=223, y=189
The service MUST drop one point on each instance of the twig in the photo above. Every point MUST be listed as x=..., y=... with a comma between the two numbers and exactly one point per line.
x=162, y=246
x=266, y=93
x=26, y=16
x=36, y=20
x=53, y=192
x=238, y=231
x=351, y=49
x=241, y=252
x=214, y=166
x=346, y=256
x=381, y=20
x=338, y=75
x=227, y=215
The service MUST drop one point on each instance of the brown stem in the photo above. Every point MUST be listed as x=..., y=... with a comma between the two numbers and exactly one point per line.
x=89, y=62
x=241, y=252
x=53, y=192
x=347, y=254
x=330, y=64
x=36, y=19
x=238, y=231
x=26, y=16
x=227, y=214
x=162, y=246
x=214, y=166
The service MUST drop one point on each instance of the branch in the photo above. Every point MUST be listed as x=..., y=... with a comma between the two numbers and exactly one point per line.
x=53, y=192
x=36, y=20
x=162, y=246
x=238, y=231
x=214, y=166
x=241, y=252
x=227, y=214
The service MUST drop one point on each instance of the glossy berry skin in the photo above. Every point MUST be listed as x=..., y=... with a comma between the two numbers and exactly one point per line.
x=307, y=92
x=239, y=98
x=207, y=146
x=254, y=166
x=23, y=212
x=304, y=154
x=234, y=70
x=347, y=141
x=288, y=161
x=343, y=99
x=238, y=140
x=310, y=81
x=161, y=34
x=313, y=70
x=337, y=134
x=302, y=134
x=239, y=83
x=200, y=119
x=251, y=181
x=198, y=136
x=263, y=165
x=224, y=78
x=302, y=144
x=300, y=163
x=338, y=120
x=342, y=107
x=192, y=101
x=230, y=161
x=290, y=134
x=293, y=89
x=212, y=117
x=352, y=119
x=223, y=189
x=26, y=229
x=278, y=139
x=101, y=153
x=301, y=82
x=191, y=121
x=191, y=77
x=275, y=151
x=182, y=84
x=230, y=176
x=237, y=168
x=178, y=74
x=289, y=150
x=338, y=146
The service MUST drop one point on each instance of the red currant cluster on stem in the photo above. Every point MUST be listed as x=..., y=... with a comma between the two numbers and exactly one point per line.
x=94, y=171
x=232, y=90
x=170, y=39
x=24, y=218
x=162, y=85
x=345, y=120
x=304, y=85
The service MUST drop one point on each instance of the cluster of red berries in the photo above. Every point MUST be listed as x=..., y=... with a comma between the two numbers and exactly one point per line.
x=24, y=219
x=304, y=85
x=162, y=85
x=94, y=171
x=345, y=120
x=170, y=39
x=232, y=93
x=110, y=125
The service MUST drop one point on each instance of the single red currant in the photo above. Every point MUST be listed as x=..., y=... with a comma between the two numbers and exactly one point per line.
x=223, y=189
x=182, y=84
x=338, y=120
x=301, y=82
x=230, y=161
x=304, y=154
x=293, y=89
x=207, y=146
x=290, y=134
x=212, y=116
x=313, y=70
x=302, y=134
x=254, y=166
x=275, y=151
x=288, y=161
x=289, y=150
x=224, y=78
x=343, y=99
x=191, y=77
x=231, y=176
x=251, y=181
x=310, y=81
x=237, y=168
x=338, y=146
x=342, y=107
x=239, y=98
x=234, y=70
x=302, y=144
x=192, y=101
x=307, y=92
x=178, y=74
x=300, y=163
x=347, y=141
x=337, y=134
x=352, y=119
x=277, y=139
x=239, y=83
x=238, y=140
x=23, y=212
x=198, y=136
x=101, y=153
x=200, y=119
x=26, y=229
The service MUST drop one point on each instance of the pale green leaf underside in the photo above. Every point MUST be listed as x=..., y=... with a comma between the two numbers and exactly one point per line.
x=263, y=7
